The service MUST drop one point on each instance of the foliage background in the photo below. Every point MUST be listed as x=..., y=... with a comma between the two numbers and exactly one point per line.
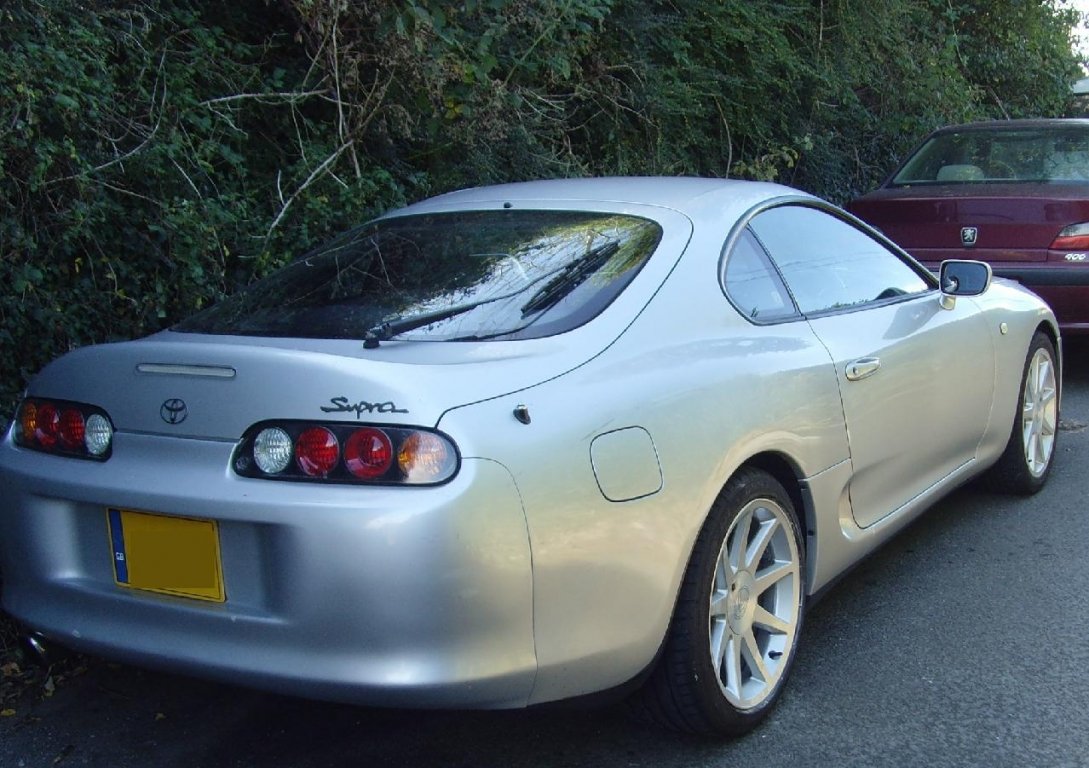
x=157, y=154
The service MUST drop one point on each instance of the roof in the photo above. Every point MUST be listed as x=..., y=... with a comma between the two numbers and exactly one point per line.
x=685, y=194
x=1013, y=125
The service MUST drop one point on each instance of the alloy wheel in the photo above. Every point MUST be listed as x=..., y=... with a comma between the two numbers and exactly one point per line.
x=1040, y=412
x=754, y=604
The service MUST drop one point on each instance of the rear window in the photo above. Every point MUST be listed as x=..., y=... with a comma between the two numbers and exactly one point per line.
x=445, y=277
x=982, y=156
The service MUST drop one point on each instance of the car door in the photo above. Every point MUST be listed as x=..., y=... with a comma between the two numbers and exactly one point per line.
x=916, y=379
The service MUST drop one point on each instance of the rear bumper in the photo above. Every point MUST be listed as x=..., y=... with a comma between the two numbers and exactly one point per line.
x=385, y=596
x=1058, y=274
x=1027, y=273
x=1065, y=289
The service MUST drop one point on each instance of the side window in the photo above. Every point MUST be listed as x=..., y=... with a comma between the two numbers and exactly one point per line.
x=752, y=284
x=828, y=264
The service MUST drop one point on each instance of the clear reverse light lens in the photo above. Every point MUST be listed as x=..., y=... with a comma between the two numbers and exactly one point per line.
x=272, y=450
x=98, y=434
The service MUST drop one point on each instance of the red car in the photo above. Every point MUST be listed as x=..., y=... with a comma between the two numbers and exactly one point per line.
x=1012, y=193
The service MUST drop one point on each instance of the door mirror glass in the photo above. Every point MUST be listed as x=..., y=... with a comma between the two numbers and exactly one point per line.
x=964, y=278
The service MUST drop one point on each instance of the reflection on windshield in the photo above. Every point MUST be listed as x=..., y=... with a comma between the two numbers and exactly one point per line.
x=1000, y=155
x=478, y=275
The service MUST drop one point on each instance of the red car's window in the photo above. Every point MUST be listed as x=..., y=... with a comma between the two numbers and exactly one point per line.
x=1054, y=154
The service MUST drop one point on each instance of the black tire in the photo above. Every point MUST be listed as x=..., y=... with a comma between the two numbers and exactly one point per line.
x=688, y=691
x=1026, y=462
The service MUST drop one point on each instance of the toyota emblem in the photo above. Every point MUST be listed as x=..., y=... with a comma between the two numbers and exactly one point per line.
x=174, y=411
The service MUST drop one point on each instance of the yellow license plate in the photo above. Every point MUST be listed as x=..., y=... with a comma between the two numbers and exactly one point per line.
x=173, y=555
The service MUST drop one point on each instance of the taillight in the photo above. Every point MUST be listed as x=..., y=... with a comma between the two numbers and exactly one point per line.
x=71, y=429
x=317, y=451
x=1072, y=238
x=423, y=454
x=272, y=450
x=43, y=425
x=64, y=428
x=368, y=454
x=346, y=453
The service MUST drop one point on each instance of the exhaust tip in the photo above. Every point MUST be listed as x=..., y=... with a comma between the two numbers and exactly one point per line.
x=38, y=649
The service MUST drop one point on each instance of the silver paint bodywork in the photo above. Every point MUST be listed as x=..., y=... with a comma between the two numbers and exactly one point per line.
x=549, y=566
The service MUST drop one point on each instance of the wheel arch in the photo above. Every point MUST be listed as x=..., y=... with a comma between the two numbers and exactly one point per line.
x=1052, y=333
x=787, y=473
x=668, y=688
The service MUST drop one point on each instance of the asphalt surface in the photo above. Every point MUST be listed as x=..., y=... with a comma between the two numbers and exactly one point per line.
x=961, y=643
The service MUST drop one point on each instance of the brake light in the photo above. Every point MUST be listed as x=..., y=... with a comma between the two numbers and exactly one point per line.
x=368, y=453
x=71, y=428
x=1072, y=238
x=317, y=451
x=64, y=428
x=346, y=453
x=42, y=425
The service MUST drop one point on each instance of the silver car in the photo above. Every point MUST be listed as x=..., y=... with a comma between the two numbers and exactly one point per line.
x=519, y=444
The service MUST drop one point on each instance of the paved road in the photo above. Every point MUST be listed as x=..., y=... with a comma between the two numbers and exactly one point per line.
x=961, y=643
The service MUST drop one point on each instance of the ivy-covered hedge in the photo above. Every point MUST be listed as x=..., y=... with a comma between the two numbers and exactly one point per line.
x=157, y=154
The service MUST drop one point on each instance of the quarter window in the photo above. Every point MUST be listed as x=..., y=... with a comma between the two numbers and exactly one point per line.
x=828, y=264
x=752, y=284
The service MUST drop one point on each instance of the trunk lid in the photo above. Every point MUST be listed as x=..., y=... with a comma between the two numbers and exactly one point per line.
x=1012, y=222
x=210, y=387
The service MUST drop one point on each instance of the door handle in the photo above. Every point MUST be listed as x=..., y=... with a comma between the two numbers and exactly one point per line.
x=862, y=368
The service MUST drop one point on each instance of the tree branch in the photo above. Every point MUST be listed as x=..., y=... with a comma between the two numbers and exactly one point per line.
x=309, y=180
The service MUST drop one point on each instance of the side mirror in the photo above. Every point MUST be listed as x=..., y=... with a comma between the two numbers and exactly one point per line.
x=964, y=278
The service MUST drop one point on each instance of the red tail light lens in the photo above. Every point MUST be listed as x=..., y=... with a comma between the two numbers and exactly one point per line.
x=336, y=452
x=46, y=425
x=72, y=428
x=64, y=428
x=1072, y=238
x=317, y=451
x=368, y=453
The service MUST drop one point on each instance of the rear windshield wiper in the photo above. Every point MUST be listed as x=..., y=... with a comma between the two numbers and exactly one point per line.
x=562, y=282
x=390, y=328
x=570, y=277
x=385, y=331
